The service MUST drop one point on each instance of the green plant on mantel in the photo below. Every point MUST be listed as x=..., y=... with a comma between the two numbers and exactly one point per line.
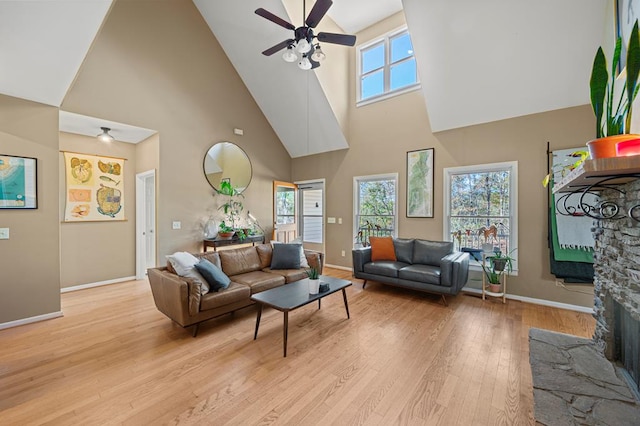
x=610, y=121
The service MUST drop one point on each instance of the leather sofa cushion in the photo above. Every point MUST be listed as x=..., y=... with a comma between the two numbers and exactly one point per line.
x=259, y=281
x=234, y=293
x=211, y=256
x=239, y=261
x=286, y=256
x=290, y=275
x=404, y=249
x=430, y=252
x=382, y=248
x=422, y=273
x=387, y=268
x=265, y=251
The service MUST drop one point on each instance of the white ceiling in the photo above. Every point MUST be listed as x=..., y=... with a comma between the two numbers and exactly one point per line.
x=90, y=126
x=355, y=15
x=43, y=44
x=478, y=61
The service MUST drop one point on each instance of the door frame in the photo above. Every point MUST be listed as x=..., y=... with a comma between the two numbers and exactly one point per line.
x=141, y=222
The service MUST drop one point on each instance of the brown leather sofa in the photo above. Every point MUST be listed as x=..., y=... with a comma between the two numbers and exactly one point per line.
x=181, y=298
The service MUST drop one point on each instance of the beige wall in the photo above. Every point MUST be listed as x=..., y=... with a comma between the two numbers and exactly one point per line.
x=93, y=252
x=380, y=135
x=29, y=260
x=157, y=65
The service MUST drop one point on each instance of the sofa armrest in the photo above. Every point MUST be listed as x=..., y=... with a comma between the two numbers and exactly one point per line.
x=454, y=270
x=315, y=259
x=360, y=256
x=175, y=296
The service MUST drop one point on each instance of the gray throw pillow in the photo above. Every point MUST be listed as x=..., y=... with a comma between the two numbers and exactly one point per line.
x=286, y=256
x=404, y=249
x=215, y=277
x=430, y=252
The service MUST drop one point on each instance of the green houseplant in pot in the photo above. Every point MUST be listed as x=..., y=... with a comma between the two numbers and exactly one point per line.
x=613, y=110
x=232, y=207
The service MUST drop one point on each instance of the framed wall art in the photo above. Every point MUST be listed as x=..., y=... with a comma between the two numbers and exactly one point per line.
x=18, y=182
x=420, y=183
x=626, y=13
x=94, y=188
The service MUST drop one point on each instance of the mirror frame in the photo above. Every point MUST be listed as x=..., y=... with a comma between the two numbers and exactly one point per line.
x=206, y=155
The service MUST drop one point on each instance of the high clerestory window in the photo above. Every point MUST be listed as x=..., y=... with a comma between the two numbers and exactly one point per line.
x=386, y=67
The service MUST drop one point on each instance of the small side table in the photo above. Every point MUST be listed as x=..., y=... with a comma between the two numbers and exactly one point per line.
x=218, y=242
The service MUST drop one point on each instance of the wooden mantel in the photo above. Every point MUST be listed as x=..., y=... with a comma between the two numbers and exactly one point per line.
x=592, y=171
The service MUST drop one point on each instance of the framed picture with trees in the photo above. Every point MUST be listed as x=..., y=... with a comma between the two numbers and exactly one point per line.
x=420, y=182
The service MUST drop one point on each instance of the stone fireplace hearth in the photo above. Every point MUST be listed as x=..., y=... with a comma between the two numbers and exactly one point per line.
x=592, y=381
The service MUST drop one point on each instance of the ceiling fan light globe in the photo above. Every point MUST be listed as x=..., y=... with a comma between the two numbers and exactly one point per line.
x=304, y=64
x=289, y=55
x=303, y=46
x=318, y=55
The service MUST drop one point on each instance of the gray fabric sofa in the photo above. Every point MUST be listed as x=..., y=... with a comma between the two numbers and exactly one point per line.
x=429, y=266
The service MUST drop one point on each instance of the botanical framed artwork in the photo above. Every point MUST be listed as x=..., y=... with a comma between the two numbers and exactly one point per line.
x=18, y=182
x=420, y=182
x=95, y=188
x=626, y=13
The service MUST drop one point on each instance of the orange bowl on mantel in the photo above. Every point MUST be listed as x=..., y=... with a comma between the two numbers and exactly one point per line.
x=606, y=147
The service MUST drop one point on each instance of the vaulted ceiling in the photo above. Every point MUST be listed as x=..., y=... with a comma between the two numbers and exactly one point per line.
x=478, y=61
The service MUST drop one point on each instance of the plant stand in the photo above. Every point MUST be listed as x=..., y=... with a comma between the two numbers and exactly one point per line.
x=485, y=285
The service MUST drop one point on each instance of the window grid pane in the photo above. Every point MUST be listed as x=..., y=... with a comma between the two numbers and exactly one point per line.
x=372, y=85
x=401, y=47
x=373, y=58
x=403, y=74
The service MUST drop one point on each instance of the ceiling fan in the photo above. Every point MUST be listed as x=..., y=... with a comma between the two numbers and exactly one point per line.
x=302, y=43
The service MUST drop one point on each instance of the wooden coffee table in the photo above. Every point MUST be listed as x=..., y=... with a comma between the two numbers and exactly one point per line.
x=294, y=295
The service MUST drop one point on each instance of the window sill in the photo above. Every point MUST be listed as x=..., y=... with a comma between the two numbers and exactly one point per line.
x=388, y=95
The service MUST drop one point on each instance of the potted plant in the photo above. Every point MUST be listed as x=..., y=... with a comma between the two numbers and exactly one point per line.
x=232, y=207
x=314, y=280
x=225, y=231
x=501, y=262
x=614, y=125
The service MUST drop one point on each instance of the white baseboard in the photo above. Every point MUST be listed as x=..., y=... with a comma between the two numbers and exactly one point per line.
x=342, y=268
x=97, y=284
x=30, y=320
x=542, y=302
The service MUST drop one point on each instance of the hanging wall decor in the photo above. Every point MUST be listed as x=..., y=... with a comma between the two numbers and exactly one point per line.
x=420, y=183
x=94, y=188
x=18, y=182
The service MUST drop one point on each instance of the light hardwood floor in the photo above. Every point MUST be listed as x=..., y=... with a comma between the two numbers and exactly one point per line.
x=402, y=358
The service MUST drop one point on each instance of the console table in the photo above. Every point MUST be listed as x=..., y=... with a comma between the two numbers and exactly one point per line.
x=219, y=242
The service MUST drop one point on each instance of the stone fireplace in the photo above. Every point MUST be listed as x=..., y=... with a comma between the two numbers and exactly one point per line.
x=617, y=282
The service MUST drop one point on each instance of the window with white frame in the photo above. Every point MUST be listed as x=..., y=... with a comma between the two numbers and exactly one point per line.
x=480, y=207
x=375, y=206
x=386, y=66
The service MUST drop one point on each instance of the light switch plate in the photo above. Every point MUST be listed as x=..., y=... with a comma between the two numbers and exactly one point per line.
x=176, y=224
x=331, y=220
x=4, y=233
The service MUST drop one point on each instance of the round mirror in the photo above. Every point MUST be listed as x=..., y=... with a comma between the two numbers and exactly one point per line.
x=226, y=161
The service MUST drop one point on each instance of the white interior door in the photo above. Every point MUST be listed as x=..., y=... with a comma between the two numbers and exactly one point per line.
x=145, y=222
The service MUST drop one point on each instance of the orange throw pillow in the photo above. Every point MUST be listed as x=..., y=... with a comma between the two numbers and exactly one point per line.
x=382, y=248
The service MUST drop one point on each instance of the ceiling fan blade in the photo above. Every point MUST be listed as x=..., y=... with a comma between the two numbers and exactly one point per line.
x=275, y=19
x=344, y=39
x=318, y=12
x=270, y=51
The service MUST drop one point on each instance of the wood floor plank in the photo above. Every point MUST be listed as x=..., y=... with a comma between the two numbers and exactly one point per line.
x=402, y=358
